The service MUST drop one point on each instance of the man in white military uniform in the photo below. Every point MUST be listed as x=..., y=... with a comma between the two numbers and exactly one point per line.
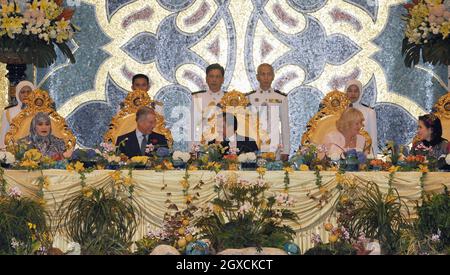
x=205, y=103
x=272, y=107
x=354, y=91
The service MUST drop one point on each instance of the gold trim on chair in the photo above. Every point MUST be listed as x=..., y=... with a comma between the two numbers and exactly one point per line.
x=39, y=101
x=333, y=105
x=236, y=103
x=131, y=104
x=442, y=111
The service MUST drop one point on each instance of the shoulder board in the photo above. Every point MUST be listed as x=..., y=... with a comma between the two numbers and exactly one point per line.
x=366, y=106
x=199, y=92
x=10, y=106
x=278, y=92
x=252, y=92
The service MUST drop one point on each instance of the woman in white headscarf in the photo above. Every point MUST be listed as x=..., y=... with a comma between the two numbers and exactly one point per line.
x=354, y=91
x=23, y=90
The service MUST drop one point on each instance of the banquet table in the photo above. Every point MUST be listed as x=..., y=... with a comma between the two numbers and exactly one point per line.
x=151, y=197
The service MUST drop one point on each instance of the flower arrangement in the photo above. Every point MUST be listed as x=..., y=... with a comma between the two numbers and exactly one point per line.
x=30, y=29
x=22, y=225
x=6, y=159
x=427, y=32
x=242, y=216
x=176, y=231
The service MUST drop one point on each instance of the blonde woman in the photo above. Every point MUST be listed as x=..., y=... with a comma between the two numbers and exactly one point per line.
x=347, y=136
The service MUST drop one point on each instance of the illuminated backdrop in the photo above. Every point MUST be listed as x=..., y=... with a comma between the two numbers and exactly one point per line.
x=314, y=46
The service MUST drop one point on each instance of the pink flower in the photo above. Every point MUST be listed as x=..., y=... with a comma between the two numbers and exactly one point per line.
x=316, y=239
x=15, y=192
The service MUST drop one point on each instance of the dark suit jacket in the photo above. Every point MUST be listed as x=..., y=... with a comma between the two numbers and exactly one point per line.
x=132, y=148
x=244, y=144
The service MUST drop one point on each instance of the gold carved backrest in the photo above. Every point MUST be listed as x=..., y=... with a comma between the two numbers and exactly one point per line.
x=442, y=111
x=125, y=121
x=236, y=103
x=324, y=121
x=39, y=101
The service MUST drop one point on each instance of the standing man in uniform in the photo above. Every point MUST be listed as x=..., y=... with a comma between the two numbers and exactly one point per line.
x=205, y=103
x=272, y=108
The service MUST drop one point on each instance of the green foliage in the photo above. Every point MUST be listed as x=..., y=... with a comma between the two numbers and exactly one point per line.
x=101, y=222
x=379, y=216
x=33, y=50
x=241, y=216
x=436, y=52
x=338, y=248
x=434, y=216
x=15, y=216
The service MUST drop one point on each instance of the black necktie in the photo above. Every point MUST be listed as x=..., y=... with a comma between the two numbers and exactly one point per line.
x=143, y=144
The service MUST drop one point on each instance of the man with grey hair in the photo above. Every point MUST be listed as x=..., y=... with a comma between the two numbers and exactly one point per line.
x=271, y=106
x=136, y=142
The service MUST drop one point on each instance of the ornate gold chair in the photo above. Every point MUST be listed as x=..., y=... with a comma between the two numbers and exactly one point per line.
x=39, y=101
x=236, y=103
x=324, y=122
x=125, y=121
x=442, y=111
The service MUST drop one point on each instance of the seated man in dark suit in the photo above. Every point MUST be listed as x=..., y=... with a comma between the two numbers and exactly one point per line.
x=227, y=125
x=135, y=143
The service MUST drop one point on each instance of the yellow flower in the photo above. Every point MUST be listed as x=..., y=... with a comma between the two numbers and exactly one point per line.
x=319, y=167
x=424, y=169
x=127, y=181
x=42, y=201
x=116, y=175
x=46, y=182
x=189, y=238
x=217, y=209
x=181, y=242
x=344, y=199
x=158, y=167
x=87, y=192
x=393, y=169
x=185, y=184
x=31, y=226
x=168, y=165
x=288, y=169
x=181, y=231
x=31, y=164
x=140, y=159
x=33, y=154
x=333, y=238
x=185, y=222
x=340, y=178
x=328, y=226
x=192, y=168
x=304, y=168
x=261, y=171
x=445, y=29
x=268, y=155
x=188, y=199
x=79, y=167
x=323, y=190
x=390, y=198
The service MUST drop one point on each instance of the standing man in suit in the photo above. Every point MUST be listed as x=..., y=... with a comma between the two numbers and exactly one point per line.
x=205, y=103
x=273, y=110
x=135, y=143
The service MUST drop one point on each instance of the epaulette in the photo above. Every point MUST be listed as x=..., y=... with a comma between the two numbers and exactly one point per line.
x=199, y=92
x=252, y=92
x=366, y=106
x=278, y=92
x=10, y=106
